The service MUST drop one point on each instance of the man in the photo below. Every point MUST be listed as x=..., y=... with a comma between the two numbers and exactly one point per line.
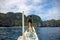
x=30, y=23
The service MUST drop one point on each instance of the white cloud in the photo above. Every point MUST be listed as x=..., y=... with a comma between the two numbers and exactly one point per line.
x=37, y=1
x=53, y=13
x=8, y=5
x=21, y=5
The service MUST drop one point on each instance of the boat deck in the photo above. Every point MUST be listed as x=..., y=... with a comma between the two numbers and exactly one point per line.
x=29, y=35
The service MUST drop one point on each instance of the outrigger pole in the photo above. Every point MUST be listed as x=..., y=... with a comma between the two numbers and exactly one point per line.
x=23, y=23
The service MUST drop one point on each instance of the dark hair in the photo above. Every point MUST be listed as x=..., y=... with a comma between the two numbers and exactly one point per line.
x=30, y=16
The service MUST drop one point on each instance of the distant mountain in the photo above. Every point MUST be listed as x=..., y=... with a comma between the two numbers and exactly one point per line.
x=51, y=23
x=15, y=19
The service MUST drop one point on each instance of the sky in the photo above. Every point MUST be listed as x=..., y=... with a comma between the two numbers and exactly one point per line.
x=46, y=9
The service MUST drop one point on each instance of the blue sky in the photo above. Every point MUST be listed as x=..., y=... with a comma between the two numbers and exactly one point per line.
x=46, y=9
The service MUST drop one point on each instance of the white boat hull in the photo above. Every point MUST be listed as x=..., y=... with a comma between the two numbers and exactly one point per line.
x=28, y=35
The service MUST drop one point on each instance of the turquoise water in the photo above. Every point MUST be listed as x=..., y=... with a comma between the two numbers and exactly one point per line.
x=44, y=33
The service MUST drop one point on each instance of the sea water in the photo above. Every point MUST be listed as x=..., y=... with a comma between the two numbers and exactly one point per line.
x=44, y=33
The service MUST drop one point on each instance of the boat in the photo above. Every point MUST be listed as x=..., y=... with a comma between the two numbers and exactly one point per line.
x=27, y=35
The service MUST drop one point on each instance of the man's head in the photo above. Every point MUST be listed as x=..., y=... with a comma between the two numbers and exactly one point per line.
x=30, y=16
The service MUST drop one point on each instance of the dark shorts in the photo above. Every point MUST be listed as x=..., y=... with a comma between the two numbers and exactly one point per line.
x=30, y=21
